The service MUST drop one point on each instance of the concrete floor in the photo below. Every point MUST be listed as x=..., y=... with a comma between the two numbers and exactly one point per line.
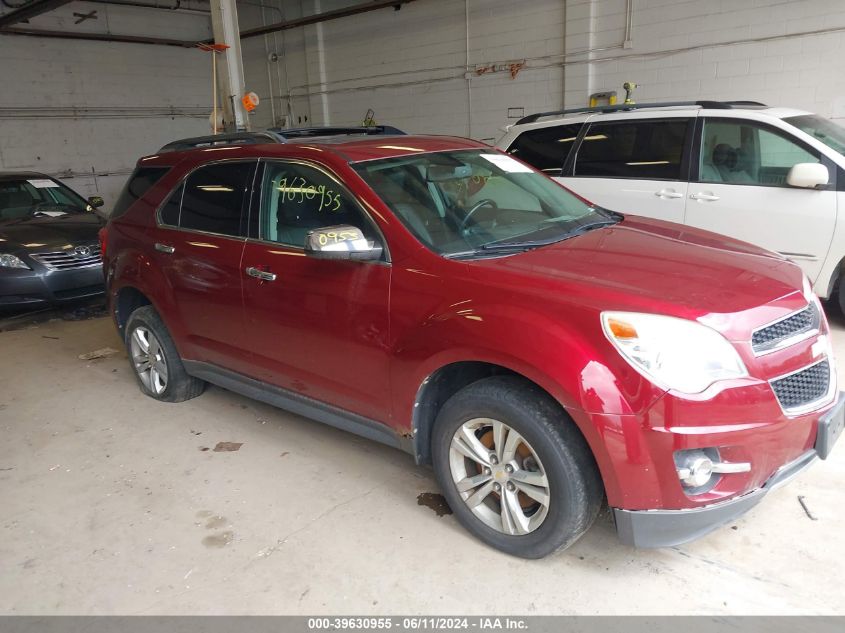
x=112, y=503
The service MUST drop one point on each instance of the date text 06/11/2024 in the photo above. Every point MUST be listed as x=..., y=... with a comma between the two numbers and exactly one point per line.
x=417, y=623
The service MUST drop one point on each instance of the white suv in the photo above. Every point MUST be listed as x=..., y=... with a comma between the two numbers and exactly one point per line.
x=774, y=177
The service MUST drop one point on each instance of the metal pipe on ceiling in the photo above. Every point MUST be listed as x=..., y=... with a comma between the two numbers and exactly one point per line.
x=41, y=6
x=324, y=17
x=175, y=7
x=98, y=37
x=27, y=11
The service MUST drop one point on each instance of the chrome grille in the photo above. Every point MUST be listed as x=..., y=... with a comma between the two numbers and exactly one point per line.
x=75, y=257
x=785, y=331
x=803, y=388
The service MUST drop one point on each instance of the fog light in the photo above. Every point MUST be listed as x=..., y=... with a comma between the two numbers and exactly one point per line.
x=699, y=469
x=695, y=468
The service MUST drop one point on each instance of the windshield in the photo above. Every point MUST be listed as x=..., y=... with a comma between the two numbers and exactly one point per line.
x=37, y=197
x=466, y=203
x=830, y=133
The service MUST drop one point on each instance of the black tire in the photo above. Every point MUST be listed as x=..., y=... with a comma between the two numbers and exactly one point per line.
x=574, y=483
x=179, y=385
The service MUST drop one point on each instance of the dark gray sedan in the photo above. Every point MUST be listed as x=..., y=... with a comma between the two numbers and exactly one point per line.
x=49, y=250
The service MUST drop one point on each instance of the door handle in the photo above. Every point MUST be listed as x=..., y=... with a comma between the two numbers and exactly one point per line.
x=706, y=197
x=668, y=193
x=263, y=275
x=164, y=248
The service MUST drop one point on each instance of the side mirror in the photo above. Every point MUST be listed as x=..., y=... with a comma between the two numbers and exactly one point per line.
x=341, y=242
x=95, y=202
x=807, y=175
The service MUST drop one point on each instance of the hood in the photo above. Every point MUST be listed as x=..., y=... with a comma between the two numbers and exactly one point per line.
x=49, y=234
x=652, y=266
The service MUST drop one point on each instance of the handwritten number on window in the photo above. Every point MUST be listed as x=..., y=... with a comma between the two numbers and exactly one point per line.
x=329, y=199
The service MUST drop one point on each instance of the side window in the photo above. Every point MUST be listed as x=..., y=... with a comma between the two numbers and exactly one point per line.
x=141, y=181
x=213, y=200
x=546, y=148
x=169, y=213
x=642, y=149
x=740, y=152
x=297, y=198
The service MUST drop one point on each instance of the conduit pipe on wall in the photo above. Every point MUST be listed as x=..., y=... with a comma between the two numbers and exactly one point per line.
x=129, y=112
x=467, y=75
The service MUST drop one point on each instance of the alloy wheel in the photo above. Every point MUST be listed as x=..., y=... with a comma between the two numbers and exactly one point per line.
x=148, y=360
x=499, y=476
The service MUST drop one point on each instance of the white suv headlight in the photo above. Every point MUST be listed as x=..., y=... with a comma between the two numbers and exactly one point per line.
x=11, y=261
x=673, y=353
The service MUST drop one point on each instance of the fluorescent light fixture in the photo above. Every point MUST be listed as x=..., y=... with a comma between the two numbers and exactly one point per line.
x=591, y=137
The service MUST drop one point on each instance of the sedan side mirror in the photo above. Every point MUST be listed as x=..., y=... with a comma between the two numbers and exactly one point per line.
x=808, y=175
x=95, y=202
x=341, y=242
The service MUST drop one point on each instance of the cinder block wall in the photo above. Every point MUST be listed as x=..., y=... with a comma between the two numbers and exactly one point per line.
x=682, y=49
x=409, y=65
x=86, y=111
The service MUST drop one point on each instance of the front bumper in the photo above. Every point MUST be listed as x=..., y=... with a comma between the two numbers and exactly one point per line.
x=37, y=287
x=665, y=528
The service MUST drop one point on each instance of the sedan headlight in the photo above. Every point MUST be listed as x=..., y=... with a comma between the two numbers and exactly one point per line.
x=673, y=353
x=11, y=261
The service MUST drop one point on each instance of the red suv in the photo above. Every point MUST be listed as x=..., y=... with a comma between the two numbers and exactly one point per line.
x=437, y=295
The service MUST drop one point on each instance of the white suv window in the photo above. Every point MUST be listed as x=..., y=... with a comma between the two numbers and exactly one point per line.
x=640, y=149
x=741, y=152
x=546, y=148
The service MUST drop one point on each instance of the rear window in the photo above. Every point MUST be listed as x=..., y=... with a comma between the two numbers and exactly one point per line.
x=546, y=148
x=141, y=180
x=214, y=197
x=644, y=149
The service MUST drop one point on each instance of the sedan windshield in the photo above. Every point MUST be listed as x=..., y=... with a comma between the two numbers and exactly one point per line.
x=830, y=133
x=37, y=197
x=477, y=202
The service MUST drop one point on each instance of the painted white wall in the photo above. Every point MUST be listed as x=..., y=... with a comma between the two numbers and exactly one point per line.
x=682, y=50
x=120, y=92
x=409, y=65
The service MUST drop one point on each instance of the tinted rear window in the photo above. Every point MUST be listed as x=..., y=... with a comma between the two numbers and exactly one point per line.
x=650, y=150
x=141, y=180
x=546, y=148
x=214, y=196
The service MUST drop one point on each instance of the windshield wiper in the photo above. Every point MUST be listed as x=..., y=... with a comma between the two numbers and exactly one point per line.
x=578, y=230
x=509, y=246
x=486, y=249
x=495, y=246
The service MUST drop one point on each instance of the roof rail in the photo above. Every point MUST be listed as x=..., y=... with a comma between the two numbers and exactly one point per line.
x=213, y=140
x=275, y=135
x=333, y=130
x=716, y=105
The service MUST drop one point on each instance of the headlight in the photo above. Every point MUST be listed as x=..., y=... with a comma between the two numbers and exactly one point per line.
x=11, y=261
x=673, y=353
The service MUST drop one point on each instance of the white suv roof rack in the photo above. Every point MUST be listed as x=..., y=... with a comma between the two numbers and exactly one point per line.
x=716, y=105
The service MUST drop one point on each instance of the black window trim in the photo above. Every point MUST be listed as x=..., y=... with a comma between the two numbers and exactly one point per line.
x=167, y=169
x=686, y=149
x=568, y=159
x=245, y=204
x=835, y=184
x=257, y=200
